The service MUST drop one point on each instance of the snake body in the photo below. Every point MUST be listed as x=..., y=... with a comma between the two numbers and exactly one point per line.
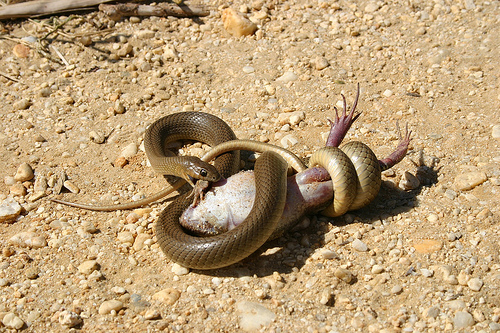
x=355, y=185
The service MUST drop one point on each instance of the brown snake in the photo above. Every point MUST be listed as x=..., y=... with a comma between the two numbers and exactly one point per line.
x=355, y=172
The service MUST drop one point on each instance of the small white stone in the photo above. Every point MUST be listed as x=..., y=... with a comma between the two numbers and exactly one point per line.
x=432, y=218
x=168, y=296
x=118, y=290
x=462, y=319
x=179, y=270
x=288, y=141
x=287, y=77
x=28, y=239
x=71, y=186
x=387, y=93
x=88, y=267
x=10, y=320
x=248, y=69
x=495, y=132
x=377, y=269
x=111, y=305
x=397, y=289
x=69, y=318
x=254, y=316
x=409, y=181
x=140, y=241
x=125, y=237
x=10, y=209
x=129, y=151
x=467, y=181
x=475, y=284
x=328, y=254
x=427, y=272
x=152, y=314
x=359, y=245
x=24, y=173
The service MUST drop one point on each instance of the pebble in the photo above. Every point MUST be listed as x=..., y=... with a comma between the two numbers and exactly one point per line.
x=344, y=274
x=97, y=137
x=377, y=269
x=130, y=150
x=432, y=218
x=22, y=104
x=409, y=182
x=359, y=245
x=288, y=76
x=41, y=184
x=32, y=273
x=145, y=34
x=236, y=24
x=475, y=284
x=248, y=69
x=18, y=189
x=24, y=173
x=328, y=254
x=371, y=7
x=462, y=319
x=88, y=267
x=152, y=314
x=431, y=312
x=428, y=246
x=396, y=290
x=291, y=118
x=467, y=181
x=111, y=305
x=253, y=316
x=288, y=141
x=168, y=296
x=495, y=132
x=10, y=320
x=9, y=180
x=427, y=272
x=320, y=63
x=119, y=108
x=10, y=209
x=132, y=218
x=126, y=237
x=140, y=240
x=69, y=318
x=118, y=290
x=21, y=51
x=387, y=93
x=28, y=239
x=179, y=270
x=71, y=186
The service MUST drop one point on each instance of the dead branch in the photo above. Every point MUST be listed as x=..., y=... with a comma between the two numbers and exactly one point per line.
x=44, y=7
x=115, y=12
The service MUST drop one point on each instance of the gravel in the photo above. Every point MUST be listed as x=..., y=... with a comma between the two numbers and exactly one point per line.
x=422, y=257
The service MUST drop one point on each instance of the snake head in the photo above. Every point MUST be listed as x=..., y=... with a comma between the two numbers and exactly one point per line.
x=196, y=169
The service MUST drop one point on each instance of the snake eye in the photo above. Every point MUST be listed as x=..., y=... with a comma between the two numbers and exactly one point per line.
x=203, y=172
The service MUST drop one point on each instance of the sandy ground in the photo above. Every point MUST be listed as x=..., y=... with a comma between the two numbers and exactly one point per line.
x=418, y=260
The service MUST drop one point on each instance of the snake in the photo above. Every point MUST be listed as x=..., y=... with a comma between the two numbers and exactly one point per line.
x=354, y=170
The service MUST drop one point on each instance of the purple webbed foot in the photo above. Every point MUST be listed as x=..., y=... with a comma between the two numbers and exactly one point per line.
x=342, y=124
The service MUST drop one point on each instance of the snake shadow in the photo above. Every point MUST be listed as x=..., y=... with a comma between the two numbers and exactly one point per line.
x=290, y=252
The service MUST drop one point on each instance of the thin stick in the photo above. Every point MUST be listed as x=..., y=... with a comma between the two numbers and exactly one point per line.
x=10, y=78
x=60, y=55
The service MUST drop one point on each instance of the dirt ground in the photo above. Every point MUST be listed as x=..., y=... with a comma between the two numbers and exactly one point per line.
x=420, y=259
